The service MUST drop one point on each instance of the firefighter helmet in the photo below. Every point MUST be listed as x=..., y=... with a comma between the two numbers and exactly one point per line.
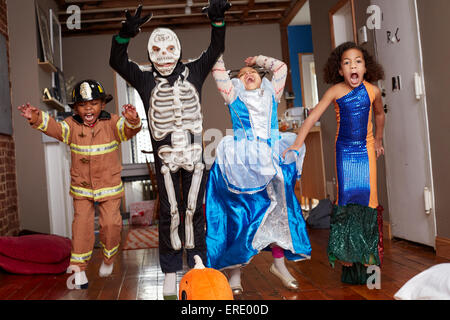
x=88, y=90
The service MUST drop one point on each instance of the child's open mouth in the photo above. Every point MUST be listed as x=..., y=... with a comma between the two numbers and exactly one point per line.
x=249, y=79
x=89, y=117
x=354, y=78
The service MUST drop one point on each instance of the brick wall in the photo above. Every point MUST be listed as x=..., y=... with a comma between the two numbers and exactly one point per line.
x=9, y=219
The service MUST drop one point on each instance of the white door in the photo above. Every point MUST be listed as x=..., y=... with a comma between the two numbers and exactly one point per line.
x=407, y=147
x=57, y=163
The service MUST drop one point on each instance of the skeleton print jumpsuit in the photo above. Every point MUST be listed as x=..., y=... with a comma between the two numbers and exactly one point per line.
x=175, y=121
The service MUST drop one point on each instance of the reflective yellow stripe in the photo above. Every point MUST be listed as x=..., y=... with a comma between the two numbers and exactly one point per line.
x=65, y=132
x=95, y=149
x=131, y=126
x=121, y=129
x=44, y=124
x=81, y=192
x=109, y=253
x=81, y=257
x=96, y=194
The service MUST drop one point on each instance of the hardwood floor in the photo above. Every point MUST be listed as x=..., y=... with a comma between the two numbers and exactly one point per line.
x=137, y=276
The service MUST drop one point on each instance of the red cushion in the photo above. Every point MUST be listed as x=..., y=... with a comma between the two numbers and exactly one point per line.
x=26, y=267
x=36, y=248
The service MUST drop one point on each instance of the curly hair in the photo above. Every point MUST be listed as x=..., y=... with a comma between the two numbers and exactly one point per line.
x=374, y=71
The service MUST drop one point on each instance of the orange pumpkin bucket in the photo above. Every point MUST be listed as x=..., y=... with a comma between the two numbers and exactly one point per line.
x=203, y=283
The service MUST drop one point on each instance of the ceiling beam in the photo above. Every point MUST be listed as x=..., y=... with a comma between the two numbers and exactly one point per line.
x=164, y=14
x=121, y=5
x=113, y=29
x=197, y=18
x=105, y=16
x=291, y=12
x=177, y=8
x=250, y=5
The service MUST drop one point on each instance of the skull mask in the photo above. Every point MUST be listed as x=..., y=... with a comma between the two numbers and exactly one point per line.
x=164, y=50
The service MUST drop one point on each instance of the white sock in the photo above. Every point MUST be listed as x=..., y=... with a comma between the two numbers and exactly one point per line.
x=170, y=284
x=281, y=267
x=234, y=277
x=105, y=269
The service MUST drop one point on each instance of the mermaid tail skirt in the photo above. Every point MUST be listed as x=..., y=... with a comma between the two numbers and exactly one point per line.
x=356, y=224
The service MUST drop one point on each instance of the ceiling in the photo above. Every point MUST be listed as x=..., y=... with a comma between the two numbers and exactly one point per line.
x=105, y=16
x=303, y=16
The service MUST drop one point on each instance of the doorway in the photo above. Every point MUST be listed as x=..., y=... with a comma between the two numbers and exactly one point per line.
x=308, y=80
x=342, y=23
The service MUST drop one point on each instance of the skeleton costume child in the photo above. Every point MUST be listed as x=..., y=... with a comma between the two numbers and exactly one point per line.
x=171, y=94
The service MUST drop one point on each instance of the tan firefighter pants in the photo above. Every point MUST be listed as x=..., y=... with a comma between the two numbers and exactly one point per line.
x=83, y=236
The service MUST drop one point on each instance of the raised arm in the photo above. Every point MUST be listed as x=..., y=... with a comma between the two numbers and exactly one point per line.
x=313, y=117
x=279, y=70
x=42, y=121
x=203, y=65
x=129, y=124
x=119, y=60
x=223, y=81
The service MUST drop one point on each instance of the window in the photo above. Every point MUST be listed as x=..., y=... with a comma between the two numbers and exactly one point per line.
x=135, y=172
x=141, y=141
x=132, y=155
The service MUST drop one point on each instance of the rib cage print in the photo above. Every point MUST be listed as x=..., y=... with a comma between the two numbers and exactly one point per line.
x=174, y=108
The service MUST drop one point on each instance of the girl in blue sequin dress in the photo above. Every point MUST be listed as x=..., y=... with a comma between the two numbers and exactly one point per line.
x=250, y=199
x=356, y=224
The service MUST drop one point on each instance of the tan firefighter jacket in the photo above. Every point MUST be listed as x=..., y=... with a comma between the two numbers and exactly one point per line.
x=96, y=164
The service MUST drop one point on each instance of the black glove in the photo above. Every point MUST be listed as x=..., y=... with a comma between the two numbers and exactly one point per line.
x=216, y=10
x=131, y=27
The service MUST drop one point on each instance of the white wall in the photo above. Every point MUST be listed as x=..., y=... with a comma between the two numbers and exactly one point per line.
x=26, y=81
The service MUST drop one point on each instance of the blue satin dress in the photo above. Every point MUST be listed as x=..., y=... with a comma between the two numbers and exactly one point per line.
x=356, y=222
x=250, y=199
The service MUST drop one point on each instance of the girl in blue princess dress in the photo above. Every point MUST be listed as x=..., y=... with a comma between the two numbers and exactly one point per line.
x=250, y=199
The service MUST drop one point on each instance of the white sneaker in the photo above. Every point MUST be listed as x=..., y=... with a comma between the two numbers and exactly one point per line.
x=170, y=286
x=105, y=269
x=81, y=281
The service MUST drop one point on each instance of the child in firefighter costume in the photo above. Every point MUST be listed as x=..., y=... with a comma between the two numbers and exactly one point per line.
x=171, y=94
x=94, y=136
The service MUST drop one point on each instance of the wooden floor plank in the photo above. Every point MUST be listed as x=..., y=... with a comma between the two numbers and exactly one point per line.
x=129, y=288
x=30, y=284
x=7, y=290
x=345, y=293
x=312, y=295
x=137, y=275
x=46, y=286
x=59, y=291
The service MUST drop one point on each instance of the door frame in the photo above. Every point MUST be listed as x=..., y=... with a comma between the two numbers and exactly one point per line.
x=333, y=11
x=300, y=67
